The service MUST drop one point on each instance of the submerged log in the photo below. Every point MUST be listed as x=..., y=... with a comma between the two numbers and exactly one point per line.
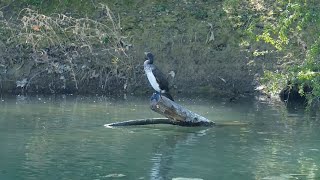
x=141, y=122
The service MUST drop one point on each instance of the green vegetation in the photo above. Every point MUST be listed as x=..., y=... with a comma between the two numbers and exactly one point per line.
x=225, y=45
x=194, y=39
x=64, y=49
x=290, y=31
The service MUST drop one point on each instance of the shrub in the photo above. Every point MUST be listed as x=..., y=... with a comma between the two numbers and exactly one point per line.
x=69, y=52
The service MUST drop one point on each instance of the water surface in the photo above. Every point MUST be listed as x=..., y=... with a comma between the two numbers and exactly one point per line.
x=63, y=137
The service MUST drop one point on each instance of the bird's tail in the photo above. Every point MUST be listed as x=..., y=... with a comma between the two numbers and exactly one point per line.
x=167, y=95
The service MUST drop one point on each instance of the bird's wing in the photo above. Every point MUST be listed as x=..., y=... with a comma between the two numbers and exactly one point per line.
x=161, y=79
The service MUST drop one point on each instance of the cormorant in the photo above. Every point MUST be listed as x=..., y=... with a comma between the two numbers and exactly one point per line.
x=156, y=78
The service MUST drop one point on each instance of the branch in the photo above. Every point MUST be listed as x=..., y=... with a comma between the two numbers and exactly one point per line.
x=141, y=122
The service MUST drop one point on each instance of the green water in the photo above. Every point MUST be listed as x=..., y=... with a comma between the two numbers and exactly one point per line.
x=63, y=137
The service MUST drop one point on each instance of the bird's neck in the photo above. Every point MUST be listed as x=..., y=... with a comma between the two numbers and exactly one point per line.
x=148, y=66
x=146, y=62
x=149, y=61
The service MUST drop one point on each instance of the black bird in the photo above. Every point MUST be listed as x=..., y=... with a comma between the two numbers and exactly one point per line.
x=156, y=78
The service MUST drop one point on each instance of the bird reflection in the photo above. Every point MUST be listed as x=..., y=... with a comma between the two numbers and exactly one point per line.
x=162, y=159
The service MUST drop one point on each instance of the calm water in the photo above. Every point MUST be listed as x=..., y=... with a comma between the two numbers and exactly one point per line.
x=63, y=137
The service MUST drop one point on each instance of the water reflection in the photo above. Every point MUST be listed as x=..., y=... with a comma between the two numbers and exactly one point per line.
x=62, y=137
x=163, y=157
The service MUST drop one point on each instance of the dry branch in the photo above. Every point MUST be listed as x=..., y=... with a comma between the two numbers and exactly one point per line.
x=180, y=115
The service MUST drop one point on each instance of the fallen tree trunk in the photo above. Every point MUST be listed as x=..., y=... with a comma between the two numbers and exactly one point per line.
x=178, y=114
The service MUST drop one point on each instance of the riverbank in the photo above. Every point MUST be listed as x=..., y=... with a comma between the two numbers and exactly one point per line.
x=218, y=48
x=103, y=51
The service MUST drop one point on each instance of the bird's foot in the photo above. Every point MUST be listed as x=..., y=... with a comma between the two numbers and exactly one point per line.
x=155, y=96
